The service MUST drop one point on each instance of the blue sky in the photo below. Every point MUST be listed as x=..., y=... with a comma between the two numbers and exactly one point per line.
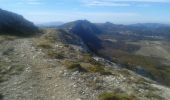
x=116, y=11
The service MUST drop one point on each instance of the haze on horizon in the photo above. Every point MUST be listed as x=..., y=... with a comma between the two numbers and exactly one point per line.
x=116, y=11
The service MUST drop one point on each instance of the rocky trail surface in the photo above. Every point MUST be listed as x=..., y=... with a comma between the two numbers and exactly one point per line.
x=40, y=79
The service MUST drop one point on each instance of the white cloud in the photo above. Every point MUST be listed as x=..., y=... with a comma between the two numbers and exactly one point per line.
x=151, y=1
x=119, y=2
x=163, y=1
x=103, y=3
x=30, y=2
x=92, y=16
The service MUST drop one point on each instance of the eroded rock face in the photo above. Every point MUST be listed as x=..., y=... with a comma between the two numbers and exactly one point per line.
x=14, y=24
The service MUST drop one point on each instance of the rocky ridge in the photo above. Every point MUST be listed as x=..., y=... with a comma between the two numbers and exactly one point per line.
x=45, y=77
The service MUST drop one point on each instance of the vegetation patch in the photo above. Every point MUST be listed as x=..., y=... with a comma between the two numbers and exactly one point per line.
x=6, y=38
x=75, y=66
x=7, y=70
x=55, y=54
x=89, y=59
x=98, y=69
x=114, y=96
x=45, y=44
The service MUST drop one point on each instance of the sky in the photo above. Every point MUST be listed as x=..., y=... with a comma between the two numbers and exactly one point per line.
x=98, y=11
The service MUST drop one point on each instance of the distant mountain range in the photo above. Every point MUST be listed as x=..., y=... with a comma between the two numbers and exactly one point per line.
x=11, y=23
x=50, y=24
x=139, y=29
x=14, y=24
x=91, y=33
x=142, y=29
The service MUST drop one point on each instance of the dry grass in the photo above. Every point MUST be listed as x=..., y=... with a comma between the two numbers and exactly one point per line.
x=89, y=59
x=98, y=69
x=95, y=66
x=7, y=70
x=6, y=38
x=45, y=44
x=116, y=96
x=75, y=66
x=55, y=54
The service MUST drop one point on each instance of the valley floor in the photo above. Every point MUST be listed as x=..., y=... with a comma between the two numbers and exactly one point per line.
x=159, y=49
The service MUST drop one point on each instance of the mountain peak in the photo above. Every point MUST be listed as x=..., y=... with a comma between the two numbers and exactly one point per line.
x=82, y=22
x=86, y=30
x=109, y=23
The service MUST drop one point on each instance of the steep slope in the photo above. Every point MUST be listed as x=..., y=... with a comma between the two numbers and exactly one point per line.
x=114, y=45
x=50, y=67
x=142, y=48
x=86, y=31
x=14, y=24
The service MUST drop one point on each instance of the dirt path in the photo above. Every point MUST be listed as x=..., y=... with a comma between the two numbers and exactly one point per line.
x=41, y=79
